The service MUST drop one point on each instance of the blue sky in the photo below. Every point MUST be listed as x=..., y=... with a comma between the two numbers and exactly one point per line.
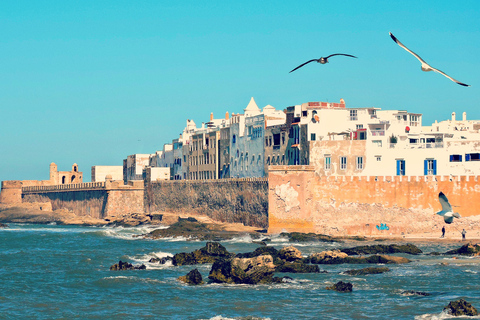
x=94, y=81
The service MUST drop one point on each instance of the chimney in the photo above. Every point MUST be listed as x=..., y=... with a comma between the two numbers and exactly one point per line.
x=211, y=116
x=464, y=116
x=227, y=116
x=453, y=116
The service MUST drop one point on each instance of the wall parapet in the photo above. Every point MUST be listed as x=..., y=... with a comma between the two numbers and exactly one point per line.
x=213, y=181
x=65, y=187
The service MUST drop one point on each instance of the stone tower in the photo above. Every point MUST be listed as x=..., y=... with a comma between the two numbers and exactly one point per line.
x=53, y=173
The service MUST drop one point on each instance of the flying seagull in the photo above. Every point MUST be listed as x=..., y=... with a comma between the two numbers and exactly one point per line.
x=447, y=211
x=323, y=60
x=426, y=66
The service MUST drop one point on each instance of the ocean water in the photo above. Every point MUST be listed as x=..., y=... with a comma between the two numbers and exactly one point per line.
x=62, y=272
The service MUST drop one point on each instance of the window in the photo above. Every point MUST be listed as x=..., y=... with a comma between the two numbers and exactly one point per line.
x=283, y=137
x=379, y=158
x=312, y=136
x=430, y=167
x=353, y=115
x=328, y=162
x=414, y=120
x=343, y=163
x=472, y=157
x=359, y=163
x=413, y=141
x=400, y=167
x=304, y=113
x=359, y=126
x=362, y=135
x=455, y=158
x=234, y=138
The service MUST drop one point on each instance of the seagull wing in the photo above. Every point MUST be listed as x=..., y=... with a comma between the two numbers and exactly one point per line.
x=444, y=202
x=304, y=64
x=414, y=54
x=446, y=75
x=340, y=54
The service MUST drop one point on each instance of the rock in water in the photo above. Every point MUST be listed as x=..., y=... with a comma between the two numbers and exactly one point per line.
x=364, y=271
x=327, y=257
x=414, y=293
x=296, y=267
x=341, y=287
x=258, y=252
x=461, y=308
x=193, y=277
x=126, y=266
x=381, y=248
x=466, y=250
x=243, y=270
x=290, y=253
x=208, y=254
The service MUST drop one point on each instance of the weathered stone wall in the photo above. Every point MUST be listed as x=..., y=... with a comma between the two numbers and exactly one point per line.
x=228, y=200
x=300, y=200
x=83, y=203
x=11, y=192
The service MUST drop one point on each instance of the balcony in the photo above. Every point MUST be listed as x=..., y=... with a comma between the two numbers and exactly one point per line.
x=378, y=133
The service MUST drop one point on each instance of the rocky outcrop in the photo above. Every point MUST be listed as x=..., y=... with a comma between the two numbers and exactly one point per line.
x=460, y=308
x=337, y=257
x=2, y=225
x=341, y=287
x=409, y=293
x=382, y=248
x=307, y=237
x=193, y=278
x=258, y=252
x=208, y=254
x=126, y=266
x=364, y=271
x=161, y=260
x=254, y=270
x=328, y=257
x=296, y=267
x=466, y=250
x=290, y=253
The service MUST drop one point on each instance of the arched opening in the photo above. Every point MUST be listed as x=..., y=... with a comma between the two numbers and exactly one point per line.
x=75, y=168
x=63, y=180
x=73, y=178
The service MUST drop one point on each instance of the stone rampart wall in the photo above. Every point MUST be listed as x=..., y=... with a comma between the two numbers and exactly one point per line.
x=229, y=200
x=300, y=200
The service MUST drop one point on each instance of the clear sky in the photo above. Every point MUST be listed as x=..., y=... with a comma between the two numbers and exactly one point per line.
x=94, y=81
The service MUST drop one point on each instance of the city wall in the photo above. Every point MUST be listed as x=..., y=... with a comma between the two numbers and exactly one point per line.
x=300, y=200
x=94, y=199
x=228, y=200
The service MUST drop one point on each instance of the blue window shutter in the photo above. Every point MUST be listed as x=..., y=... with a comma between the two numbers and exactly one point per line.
x=451, y=157
x=404, y=168
x=398, y=167
x=434, y=167
x=425, y=167
x=460, y=158
x=467, y=157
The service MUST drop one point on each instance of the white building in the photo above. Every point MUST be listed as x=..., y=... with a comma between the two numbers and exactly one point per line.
x=100, y=172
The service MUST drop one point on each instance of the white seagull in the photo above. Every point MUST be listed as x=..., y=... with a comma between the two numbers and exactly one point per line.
x=323, y=60
x=447, y=211
x=426, y=66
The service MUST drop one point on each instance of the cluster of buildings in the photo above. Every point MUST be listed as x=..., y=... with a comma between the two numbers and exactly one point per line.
x=336, y=140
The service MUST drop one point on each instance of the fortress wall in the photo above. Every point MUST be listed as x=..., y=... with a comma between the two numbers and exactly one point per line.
x=300, y=200
x=229, y=200
x=82, y=203
x=11, y=192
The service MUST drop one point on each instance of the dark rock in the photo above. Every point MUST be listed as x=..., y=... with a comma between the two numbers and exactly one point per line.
x=243, y=270
x=190, y=219
x=414, y=293
x=193, y=277
x=370, y=270
x=262, y=243
x=466, y=250
x=194, y=230
x=296, y=267
x=460, y=308
x=434, y=253
x=341, y=287
x=333, y=257
x=161, y=260
x=258, y=252
x=307, y=237
x=2, y=225
x=381, y=248
x=126, y=266
x=208, y=254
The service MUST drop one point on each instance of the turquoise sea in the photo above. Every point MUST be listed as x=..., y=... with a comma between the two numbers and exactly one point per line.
x=62, y=272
